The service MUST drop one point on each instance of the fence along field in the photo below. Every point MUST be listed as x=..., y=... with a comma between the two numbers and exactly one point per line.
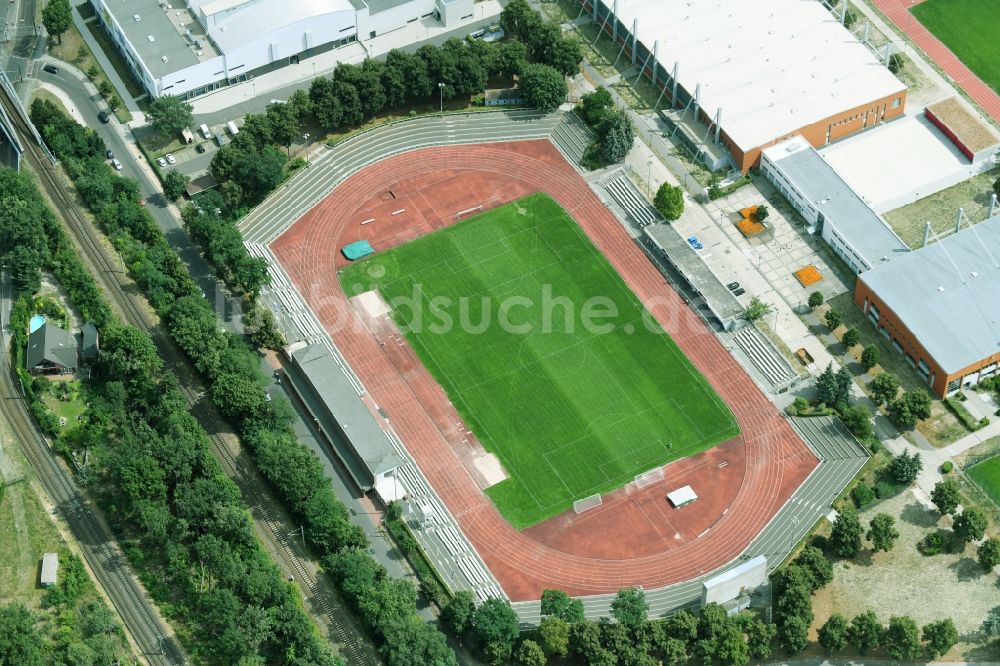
x=570, y=410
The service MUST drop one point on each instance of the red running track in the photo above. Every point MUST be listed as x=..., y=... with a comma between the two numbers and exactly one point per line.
x=898, y=12
x=776, y=460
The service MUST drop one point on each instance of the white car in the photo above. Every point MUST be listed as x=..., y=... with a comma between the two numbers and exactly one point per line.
x=117, y=165
x=171, y=159
x=162, y=162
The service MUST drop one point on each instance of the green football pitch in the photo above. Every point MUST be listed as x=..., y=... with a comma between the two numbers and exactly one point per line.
x=971, y=29
x=987, y=475
x=503, y=309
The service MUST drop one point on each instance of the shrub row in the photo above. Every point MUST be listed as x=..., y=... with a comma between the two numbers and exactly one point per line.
x=963, y=415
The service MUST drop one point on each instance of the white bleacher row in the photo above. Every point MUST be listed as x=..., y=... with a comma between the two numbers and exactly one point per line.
x=763, y=356
x=442, y=525
x=625, y=195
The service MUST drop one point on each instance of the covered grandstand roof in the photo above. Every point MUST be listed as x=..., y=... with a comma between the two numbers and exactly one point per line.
x=947, y=294
x=773, y=66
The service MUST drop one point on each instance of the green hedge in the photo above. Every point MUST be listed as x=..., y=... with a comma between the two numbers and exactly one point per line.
x=963, y=414
x=431, y=584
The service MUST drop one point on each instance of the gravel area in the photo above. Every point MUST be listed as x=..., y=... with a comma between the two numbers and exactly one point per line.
x=904, y=582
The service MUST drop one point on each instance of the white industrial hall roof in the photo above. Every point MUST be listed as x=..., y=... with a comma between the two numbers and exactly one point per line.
x=773, y=66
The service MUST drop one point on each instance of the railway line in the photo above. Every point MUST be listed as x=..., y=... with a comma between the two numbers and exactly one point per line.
x=147, y=630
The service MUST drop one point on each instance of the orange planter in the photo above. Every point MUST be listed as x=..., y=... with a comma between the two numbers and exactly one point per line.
x=808, y=275
x=750, y=227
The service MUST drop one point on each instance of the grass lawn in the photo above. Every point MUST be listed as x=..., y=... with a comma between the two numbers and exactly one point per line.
x=570, y=409
x=968, y=28
x=987, y=475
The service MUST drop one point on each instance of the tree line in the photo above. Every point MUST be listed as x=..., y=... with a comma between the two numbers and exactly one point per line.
x=153, y=458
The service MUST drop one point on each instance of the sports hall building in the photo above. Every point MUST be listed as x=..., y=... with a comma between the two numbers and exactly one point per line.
x=938, y=305
x=190, y=47
x=738, y=76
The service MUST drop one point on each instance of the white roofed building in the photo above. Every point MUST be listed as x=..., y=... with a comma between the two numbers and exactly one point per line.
x=190, y=48
x=751, y=74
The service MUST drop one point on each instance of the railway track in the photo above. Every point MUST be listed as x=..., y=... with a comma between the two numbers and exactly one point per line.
x=353, y=647
x=96, y=541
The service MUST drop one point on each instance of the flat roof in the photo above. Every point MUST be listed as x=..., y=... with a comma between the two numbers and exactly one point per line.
x=737, y=571
x=897, y=163
x=166, y=27
x=253, y=18
x=866, y=232
x=947, y=294
x=975, y=134
x=681, y=496
x=773, y=66
x=50, y=568
x=341, y=401
x=695, y=271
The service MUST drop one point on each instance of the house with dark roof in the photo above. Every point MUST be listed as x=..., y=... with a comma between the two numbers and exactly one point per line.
x=51, y=351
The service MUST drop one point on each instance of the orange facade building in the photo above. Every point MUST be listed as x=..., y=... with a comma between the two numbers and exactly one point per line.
x=940, y=307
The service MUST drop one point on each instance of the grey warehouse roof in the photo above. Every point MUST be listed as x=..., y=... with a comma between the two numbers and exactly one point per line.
x=331, y=386
x=857, y=223
x=948, y=294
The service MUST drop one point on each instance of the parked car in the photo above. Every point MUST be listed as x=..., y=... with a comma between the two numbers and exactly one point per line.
x=117, y=165
x=733, y=286
x=200, y=148
x=739, y=292
x=108, y=154
x=103, y=116
x=51, y=69
x=695, y=243
x=171, y=159
x=162, y=162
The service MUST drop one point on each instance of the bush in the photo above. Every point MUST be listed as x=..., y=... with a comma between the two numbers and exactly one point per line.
x=886, y=488
x=863, y=495
x=932, y=544
x=947, y=466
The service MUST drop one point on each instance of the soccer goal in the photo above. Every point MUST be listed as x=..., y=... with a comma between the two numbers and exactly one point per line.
x=586, y=503
x=468, y=211
x=648, y=478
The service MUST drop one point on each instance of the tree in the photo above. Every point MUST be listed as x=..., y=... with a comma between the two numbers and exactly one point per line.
x=512, y=56
x=756, y=310
x=919, y=403
x=896, y=63
x=857, y=418
x=20, y=642
x=731, y=647
x=946, y=496
x=170, y=115
x=409, y=640
x=284, y=121
x=970, y=525
x=996, y=187
x=630, y=607
x=57, y=18
x=843, y=381
x=104, y=89
x=495, y=622
x=669, y=201
x=760, y=213
x=459, y=612
x=530, y=654
x=817, y=564
x=585, y=639
x=519, y=20
x=128, y=355
x=711, y=622
x=989, y=554
x=561, y=605
x=906, y=467
x=870, y=357
x=815, y=300
x=851, y=337
x=596, y=107
x=900, y=414
x=174, y=184
x=760, y=636
x=902, y=638
x=681, y=625
x=884, y=388
x=865, y=632
x=882, y=532
x=826, y=385
x=793, y=634
x=553, y=636
x=833, y=634
x=833, y=319
x=543, y=87
x=618, y=137
x=939, y=637
x=845, y=538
